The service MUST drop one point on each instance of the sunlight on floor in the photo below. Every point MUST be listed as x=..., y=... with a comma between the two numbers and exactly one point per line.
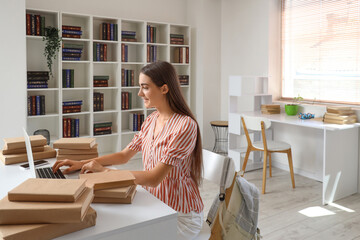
x=341, y=207
x=316, y=212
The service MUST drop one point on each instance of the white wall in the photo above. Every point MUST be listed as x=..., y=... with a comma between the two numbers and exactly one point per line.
x=12, y=69
x=205, y=17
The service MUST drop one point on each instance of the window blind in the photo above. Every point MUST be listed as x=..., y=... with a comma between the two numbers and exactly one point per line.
x=321, y=49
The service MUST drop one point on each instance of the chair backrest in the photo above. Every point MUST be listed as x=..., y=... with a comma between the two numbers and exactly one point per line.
x=254, y=123
x=213, y=165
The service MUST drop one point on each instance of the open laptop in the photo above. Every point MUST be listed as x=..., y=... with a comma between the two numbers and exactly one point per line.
x=45, y=172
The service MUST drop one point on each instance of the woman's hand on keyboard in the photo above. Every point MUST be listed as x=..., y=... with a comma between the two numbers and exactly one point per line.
x=72, y=165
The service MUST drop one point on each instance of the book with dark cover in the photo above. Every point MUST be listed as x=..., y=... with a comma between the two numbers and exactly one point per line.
x=71, y=103
x=67, y=27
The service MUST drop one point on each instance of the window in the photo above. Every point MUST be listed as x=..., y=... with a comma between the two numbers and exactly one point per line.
x=321, y=49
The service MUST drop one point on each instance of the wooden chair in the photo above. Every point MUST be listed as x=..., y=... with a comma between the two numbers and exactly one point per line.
x=268, y=147
x=213, y=164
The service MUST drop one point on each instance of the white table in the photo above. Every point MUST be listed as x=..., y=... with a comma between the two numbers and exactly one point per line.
x=339, y=153
x=146, y=218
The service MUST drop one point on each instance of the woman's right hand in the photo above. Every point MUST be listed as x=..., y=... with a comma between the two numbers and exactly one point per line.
x=72, y=165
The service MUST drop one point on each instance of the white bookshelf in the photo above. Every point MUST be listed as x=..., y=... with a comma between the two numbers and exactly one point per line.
x=246, y=93
x=86, y=68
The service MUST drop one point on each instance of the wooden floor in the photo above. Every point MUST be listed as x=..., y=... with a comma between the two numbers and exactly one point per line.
x=280, y=207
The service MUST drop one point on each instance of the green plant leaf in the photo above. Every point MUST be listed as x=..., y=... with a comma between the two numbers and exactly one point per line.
x=52, y=45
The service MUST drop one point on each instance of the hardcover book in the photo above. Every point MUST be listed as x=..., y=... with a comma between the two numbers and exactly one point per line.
x=121, y=192
x=75, y=143
x=48, y=190
x=111, y=179
x=126, y=200
x=22, y=157
x=23, y=150
x=45, y=212
x=77, y=156
x=46, y=231
x=19, y=142
x=64, y=151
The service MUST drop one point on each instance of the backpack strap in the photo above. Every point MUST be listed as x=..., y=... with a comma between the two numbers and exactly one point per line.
x=218, y=200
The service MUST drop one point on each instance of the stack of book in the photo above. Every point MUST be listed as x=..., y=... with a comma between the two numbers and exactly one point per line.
x=76, y=148
x=71, y=106
x=36, y=105
x=135, y=121
x=100, y=52
x=98, y=101
x=72, y=51
x=68, y=80
x=37, y=79
x=340, y=115
x=181, y=55
x=101, y=81
x=125, y=100
x=35, y=25
x=109, y=31
x=177, y=39
x=14, y=150
x=124, y=53
x=102, y=128
x=270, y=109
x=151, y=53
x=184, y=79
x=71, y=127
x=128, y=36
x=58, y=207
x=127, y=77
x=150, y=34
x=71, y=31
x=111, y=187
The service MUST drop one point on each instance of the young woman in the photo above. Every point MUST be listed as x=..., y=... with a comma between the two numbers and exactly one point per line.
x=171, y=149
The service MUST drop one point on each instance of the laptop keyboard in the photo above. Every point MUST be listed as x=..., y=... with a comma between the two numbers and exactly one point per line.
x=48, y=173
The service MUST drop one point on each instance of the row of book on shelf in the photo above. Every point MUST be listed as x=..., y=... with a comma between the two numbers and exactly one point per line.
x=177, y=39
x=68, y=78
x=71, y=31
x=181, y=55
x=135, y=121
x=127, y=77
x=71, y=127
x=72, y=51
x=184, y=79
x=151, y=53
x=150, y=34
x=128, y=36
x=108, y=31
x=72, y=106
x=37, y=79
x=100, y=52
x=125, y=100
x=102, y=128
x=101, y=81
x=35, y=25
x=98, y=101
x=36, y=105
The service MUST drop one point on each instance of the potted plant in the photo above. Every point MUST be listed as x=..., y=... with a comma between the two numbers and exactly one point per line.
x=292, y=108
x=52, y=45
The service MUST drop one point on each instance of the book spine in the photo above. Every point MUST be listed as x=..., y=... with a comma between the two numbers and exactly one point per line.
x=71, y=35
x=71, y=50
x=42, y=27
x=105, y=52
x=68, y=127
x=77, y=127
x=75, y=28
x=111, y=31
x=72, y=78
x=68, y=75
x=70, y=103
x=33, y=24
x=108, y=31
x=116, y=32
x=71, y=58
x=29, y=105
x=64, y=127
x=37, y=24
x=72, y=32
x=28, y=24
x=42, y=106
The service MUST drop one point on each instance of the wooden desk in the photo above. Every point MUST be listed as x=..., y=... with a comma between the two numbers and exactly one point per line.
x=146, y=218
x=339, y=153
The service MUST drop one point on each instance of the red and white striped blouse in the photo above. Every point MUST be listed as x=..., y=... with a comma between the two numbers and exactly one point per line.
x=173, y=146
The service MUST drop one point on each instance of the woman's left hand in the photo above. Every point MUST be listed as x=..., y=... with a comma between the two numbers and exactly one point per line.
x=93, y=166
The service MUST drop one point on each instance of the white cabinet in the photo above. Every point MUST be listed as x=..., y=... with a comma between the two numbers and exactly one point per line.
x=121, y=54
x=246, y=93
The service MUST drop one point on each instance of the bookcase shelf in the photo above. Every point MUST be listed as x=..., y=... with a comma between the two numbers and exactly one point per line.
x=88, y=67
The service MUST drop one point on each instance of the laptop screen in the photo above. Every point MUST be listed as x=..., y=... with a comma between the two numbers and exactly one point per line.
x=29, y=154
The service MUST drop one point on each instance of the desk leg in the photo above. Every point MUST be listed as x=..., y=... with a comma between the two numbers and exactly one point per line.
x=340, y=164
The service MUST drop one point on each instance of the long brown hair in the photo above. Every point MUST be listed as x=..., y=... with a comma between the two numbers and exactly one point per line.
x=162, y=73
